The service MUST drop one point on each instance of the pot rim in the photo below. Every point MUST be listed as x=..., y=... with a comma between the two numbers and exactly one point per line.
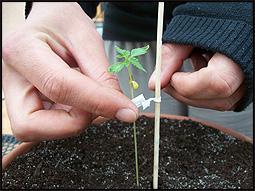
x=225, y=130
x=26, y=146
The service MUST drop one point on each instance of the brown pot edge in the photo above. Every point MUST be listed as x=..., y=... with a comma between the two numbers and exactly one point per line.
x=207, y=123
x=19, y=150
x=25, y=147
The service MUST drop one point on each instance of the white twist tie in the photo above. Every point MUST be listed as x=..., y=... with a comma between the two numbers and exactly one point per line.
x=141, y=101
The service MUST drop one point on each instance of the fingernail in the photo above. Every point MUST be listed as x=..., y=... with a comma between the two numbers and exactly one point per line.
x=126, y=115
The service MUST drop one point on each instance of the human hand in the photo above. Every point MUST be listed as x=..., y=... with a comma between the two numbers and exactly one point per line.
x=55, y=75
x=216, y=83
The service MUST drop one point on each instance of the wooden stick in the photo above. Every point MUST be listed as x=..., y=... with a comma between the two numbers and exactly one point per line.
x=157, y=94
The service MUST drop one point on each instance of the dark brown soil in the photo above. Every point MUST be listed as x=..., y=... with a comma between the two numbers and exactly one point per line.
x=191, y=156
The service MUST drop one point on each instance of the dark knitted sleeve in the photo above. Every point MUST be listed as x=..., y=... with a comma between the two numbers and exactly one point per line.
x=225, y=27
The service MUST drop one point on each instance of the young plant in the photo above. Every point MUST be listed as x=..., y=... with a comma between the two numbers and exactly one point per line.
x=130, y=58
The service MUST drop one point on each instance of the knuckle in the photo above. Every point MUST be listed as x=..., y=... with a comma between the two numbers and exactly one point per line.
x=105, y=76
x=109, y=79
x=222, y=87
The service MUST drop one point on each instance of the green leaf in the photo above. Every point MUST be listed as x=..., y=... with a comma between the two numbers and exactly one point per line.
x=139, y=51
x=126, y=63
x=119, y=56
x=135, y=62
x=124, y=53
x=115, y=68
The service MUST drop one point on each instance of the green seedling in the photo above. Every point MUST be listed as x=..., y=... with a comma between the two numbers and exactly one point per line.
x=128, y=59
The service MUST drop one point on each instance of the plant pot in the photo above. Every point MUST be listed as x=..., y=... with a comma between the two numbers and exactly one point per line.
x=26, y=147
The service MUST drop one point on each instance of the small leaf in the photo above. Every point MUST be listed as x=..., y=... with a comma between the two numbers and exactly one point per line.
x=119, y=56
x=124, y=53
x=115, y=68
x=135, y=62
x=126, y=63
x=139, y=51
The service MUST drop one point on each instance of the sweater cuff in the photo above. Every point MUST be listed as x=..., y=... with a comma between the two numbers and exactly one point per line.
x=229, y=37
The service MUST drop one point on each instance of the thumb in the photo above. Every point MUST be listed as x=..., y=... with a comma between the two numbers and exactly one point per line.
x=220, y=79
x=173, y=56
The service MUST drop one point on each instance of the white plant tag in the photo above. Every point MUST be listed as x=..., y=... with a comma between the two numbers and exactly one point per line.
x=138, y=100
x=141, y=101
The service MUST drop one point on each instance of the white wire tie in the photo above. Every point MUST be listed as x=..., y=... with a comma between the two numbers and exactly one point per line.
x=141, y=101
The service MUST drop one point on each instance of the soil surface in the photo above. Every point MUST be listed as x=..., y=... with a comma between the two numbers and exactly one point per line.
x=191, y=156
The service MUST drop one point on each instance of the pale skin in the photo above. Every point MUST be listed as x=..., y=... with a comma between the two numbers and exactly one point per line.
x=216, y=83
x=56, y=82
x=46, y=95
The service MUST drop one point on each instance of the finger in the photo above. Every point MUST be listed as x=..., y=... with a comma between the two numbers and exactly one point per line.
x=29, y=120
x=194, y=84
x=57, y=81
x=89, y=52
x=173, y=56
x=220, y=79
x=48, y=104
x=224, y=104
x=55, y=124
x=61, y=51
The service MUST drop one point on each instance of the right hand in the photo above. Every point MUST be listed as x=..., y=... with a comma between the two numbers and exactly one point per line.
x=217, y=82
x=55, y=75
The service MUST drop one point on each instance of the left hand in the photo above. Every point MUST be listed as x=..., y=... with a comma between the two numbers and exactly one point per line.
x=216, y=83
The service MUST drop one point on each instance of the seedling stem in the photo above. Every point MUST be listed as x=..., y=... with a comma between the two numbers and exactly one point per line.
x=130, y=58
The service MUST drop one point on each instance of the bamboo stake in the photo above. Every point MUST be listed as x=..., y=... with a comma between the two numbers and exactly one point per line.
x=157, y=94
